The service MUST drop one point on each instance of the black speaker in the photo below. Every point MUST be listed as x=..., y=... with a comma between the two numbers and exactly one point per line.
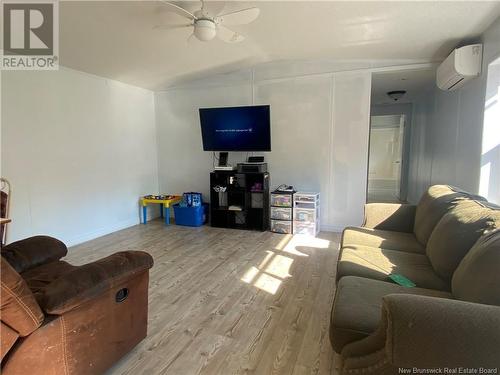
x=252, y=167
x=255, y=159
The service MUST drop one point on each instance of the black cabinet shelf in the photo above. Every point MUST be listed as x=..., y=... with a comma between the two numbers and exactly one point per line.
x=250, y=191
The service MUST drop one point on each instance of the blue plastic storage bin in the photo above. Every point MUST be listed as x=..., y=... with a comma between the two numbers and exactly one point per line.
x=191, y=216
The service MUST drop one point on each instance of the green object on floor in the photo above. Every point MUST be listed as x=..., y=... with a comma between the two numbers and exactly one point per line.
x=401, y=280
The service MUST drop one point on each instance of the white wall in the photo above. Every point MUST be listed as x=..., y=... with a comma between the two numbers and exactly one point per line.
x=79, y=150
x=447, y=138
x=419, y=176
x=319, y=136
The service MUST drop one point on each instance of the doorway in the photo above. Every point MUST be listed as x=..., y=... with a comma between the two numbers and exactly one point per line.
x=385, y=158
x=399, y=105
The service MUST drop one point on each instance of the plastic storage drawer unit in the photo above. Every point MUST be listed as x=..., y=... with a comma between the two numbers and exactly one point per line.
x=305, y=228
x=280, y=226
x=306, y=215
x=281, y=200
x=281, y=213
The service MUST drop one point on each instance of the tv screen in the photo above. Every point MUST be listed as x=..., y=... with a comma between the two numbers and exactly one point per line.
x=236, y=128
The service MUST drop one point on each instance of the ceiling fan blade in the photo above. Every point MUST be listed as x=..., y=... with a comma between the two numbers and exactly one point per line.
x=239, y=17
x=171, y=27
x=229, y=36
x=213, y=8
x=180, y=11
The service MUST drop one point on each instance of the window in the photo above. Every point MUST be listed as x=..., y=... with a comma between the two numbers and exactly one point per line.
x=489, y=184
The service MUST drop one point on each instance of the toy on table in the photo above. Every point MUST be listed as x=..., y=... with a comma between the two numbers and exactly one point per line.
x=165, y=200
x=160, y=197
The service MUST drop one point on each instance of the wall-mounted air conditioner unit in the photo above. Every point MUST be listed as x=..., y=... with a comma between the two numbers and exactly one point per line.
x=462, y=65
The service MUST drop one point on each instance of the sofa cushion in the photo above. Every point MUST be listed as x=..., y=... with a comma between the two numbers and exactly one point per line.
x=381, y=238
x=477, y=277
x=19, y=309
x=377, y=264
x=390, y=216
x=436, y=202
x=34, y=251
x=456, y=233
x=357, y=307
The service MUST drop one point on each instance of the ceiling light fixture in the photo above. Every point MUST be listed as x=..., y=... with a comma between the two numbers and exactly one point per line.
x=206, y=26
x=204, y=29
x=396, y=95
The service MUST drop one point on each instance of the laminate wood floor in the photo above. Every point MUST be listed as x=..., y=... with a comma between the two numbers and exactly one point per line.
x=225, y=301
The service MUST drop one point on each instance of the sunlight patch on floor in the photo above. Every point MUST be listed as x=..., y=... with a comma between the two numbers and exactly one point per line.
x=302, y=240
x=272, y=270
x=266, y=260
x=284, y=241
x=268, y=283
x=250, y=275
x=275, y=268
x=279, y=266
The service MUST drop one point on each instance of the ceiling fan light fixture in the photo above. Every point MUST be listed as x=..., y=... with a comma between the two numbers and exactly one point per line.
x=396, y=95
x=207, y=25
x=204, y=30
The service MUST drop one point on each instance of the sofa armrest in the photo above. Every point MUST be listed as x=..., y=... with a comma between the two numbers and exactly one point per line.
x=33, y=252
x=89, y=281
x=390, y=216
x=427, y=332
x=437, y=332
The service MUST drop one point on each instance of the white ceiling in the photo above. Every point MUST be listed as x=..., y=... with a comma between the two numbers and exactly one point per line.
x=116, y=40
x=414, y=82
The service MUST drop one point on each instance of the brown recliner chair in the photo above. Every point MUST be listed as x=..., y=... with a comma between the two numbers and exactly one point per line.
x=57, y=318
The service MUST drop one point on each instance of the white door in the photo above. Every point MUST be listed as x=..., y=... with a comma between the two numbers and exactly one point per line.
x=385, y=158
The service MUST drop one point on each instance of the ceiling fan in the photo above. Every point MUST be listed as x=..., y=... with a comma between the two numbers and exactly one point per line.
x=206, y=26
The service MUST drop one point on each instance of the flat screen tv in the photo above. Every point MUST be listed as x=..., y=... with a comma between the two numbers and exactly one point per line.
x=236, y=128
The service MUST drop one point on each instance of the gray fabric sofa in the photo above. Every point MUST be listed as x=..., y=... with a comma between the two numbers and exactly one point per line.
x=449, y=246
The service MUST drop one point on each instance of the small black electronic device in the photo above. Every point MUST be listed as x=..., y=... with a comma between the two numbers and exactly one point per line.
x=255, y=159
x=223, y=159
x=252, y=167
x=285, y=188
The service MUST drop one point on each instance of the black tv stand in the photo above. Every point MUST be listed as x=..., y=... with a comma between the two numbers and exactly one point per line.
x=245, y=202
